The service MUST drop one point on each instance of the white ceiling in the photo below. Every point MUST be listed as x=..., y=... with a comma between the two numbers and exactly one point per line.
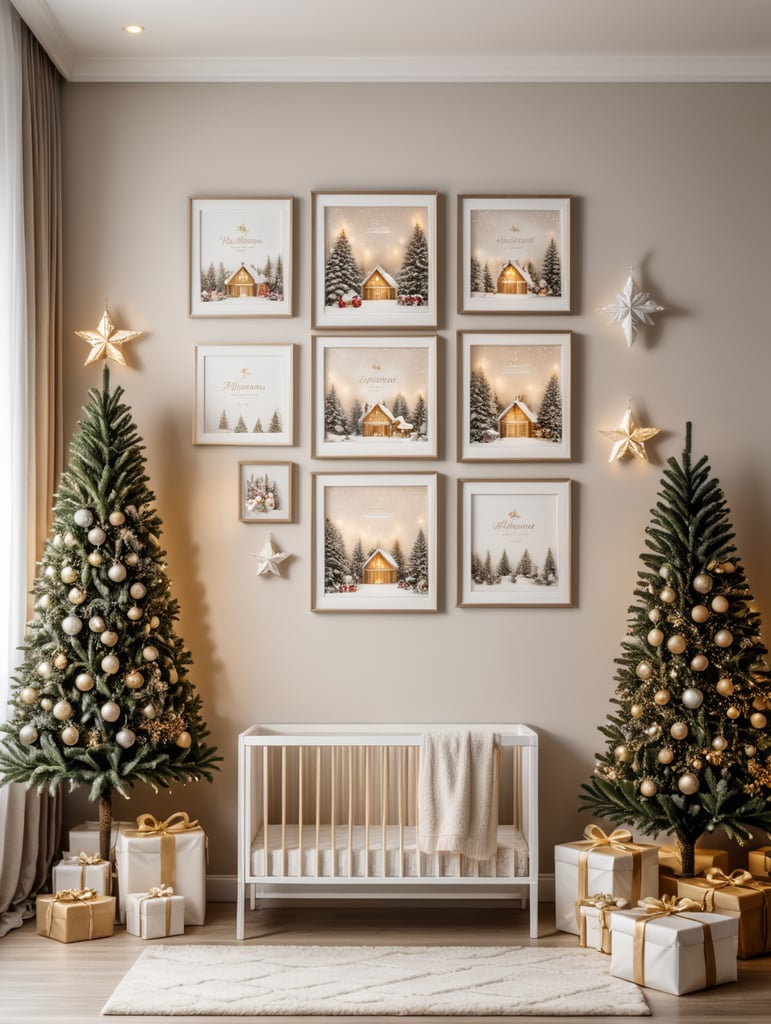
x=406, y=40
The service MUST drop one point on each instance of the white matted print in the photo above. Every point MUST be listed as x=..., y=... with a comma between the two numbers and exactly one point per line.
x=375, y=397
x=241, y=257
x=244, y=395
x=374, y=258
x=265, y=492
x=374, y=542
x=514, y=254
x=514, y=543
x=514, y=396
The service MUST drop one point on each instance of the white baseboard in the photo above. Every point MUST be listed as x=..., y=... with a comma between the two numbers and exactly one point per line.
x=224, y=889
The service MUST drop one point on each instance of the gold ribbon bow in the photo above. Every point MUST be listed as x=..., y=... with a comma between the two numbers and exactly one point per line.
x=603, y=903
x=619, y=839
x=148, y=824
x=665, y=907
x=88, y=858
x=739, y=879
x=72, y=896
x=155, y=893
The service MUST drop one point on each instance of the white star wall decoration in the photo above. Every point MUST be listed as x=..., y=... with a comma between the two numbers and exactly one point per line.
x=631, y=309
x=269, y=559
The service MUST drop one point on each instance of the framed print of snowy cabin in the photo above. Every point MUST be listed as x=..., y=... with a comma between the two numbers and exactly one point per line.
x=241, y=257
x=514, y=396
x=514, y=254
x=514, y=544
x=244, y=394
x=375, y=397
x=374, y=542
x=374, y=260
x=265, y=492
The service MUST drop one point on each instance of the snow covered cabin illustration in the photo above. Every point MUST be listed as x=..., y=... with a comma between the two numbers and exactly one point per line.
x=512, y=280
x=379, y=421
x=378, y=284
x=516, y=420
x=243, y=285
x=380, y=567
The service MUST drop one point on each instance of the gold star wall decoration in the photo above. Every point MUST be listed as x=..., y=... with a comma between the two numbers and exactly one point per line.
x=628, y=438
x=106, y=341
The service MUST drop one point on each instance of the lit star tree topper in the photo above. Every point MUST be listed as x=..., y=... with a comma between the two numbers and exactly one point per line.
x=631, y=309
x=628, y=438
x=106, y=341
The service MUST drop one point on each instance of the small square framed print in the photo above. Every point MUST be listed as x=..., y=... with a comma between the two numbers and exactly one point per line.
x=514, y=254
x=265, y=492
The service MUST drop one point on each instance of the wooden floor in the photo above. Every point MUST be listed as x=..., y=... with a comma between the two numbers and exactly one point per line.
x=42, y=980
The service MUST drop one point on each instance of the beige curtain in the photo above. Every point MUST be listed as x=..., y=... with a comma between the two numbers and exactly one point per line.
x=30, y=823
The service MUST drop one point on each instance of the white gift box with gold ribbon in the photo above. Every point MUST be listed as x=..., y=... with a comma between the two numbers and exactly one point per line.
x=612, y=864
x=170, y=852
x=672, y=946
x=85, y=871
x=155, y=914
x=594, y=920
x=85, y=836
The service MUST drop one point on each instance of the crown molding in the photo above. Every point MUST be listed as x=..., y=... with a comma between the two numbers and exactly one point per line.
x=425, y=69
x=38, y=17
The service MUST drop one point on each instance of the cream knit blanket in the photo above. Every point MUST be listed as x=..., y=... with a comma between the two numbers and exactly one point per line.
x=457, y=802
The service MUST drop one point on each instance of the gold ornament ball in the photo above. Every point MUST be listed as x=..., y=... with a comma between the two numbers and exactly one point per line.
x=699, y=662
x=662, y=697
x=648, y=787
x=84, y=682
x=96, y=624
x=719, y=604
x=644, y=670
x=148, y=711
x=654, y=731
x=621, y=752
x=676, y=643
x=184, y=740
x=723, y=638
x=60, y=661
x=720, y=743
x=668, y=595
x=95, y=559
x=733, y=712
x=655, y=638
x=724, y=686
x=68, y=574
x=28, y=695
x=700, y=613
x=70, y=539
x=70, y=735
x=702, y=583
x=666, y=755
x=698, y=763
x=110, y=664
x=76, y=596
x=750, y=751
x=654, y=615
x=760, y=704
x=155, y=622
x=636, y=711
x=45, y=602
x=109, y=638
x=758, y=721
x=137, y=591
x=173, y=675
x=62, y=710
x=728, y=567
x=688, y=784
x=132, y=558
x=678, y=731
x=116, y=518
x=134, y=613
x=43, y=669
x=150, y=653
x=46, y=703
x=134, y=680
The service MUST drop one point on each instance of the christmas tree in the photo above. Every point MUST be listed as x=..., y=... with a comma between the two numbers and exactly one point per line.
x=414, y=275
x=102, y=697
x=688, y=745
x=341, y=273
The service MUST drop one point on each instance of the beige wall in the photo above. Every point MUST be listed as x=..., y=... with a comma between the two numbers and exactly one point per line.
x=672, y=180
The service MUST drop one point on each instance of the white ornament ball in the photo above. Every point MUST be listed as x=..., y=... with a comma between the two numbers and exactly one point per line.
x=58, y=541
x=668, y=595
x=724, y=638
x=76, y=596
x=702, y=583
x=110, y=711
x=132, y=559
x=676, y=643
x=688, y=783
x=70, y=735
x=110, y=664
x=95, y=558
x=46, y=703
x=44, y=670
x=28, y=734
x=49, y=571
x=70, y=540
x=68, y=574
x=45, y=602
x=28, y=695
x=117, y=572
x=96, y=536
x=125, y=738
x=184, y=740
x=60, y=661
x=109, y=638
x=699, y=662
x=96, y=624
x=150, y=653
x=700, y=613
x=720, y=604
x=134, y=613
x=724, y=686
x=62, y=710
x=83, y=518
x=137, y=591
x=116, y=518
x=654, y=614
x=148, y=711
x=72, y=625
x=134, y=680
x=666, y=755
x=655, y=638
x=678, y=731
x=644, y=670
x=84, y=682
x=648, y=787
x=720, y=743
x=758, y=721
x=693, y=698
x=750, y=751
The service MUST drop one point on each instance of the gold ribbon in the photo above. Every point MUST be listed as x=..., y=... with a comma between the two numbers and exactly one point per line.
x=619, y=839
x=155, y=893
x=84, y=860
x=665, y=907
x=739, y=879
x=177, y=823
x=81, y=896
x=603, y=903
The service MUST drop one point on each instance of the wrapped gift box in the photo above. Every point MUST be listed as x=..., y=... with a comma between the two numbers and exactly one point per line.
x=171, y=852
x=594, y=920
x=740, y=896
x=86, y=871
x=84, y=838
x=155, y=914
x=73, y=915
x=670, y=863
x=676, y=953
x=759, y=862
x=608, y=864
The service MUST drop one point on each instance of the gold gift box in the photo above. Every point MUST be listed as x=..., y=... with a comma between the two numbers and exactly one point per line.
x=748, y=900
x=670, y=863
x=759, y=862
x=75, y=918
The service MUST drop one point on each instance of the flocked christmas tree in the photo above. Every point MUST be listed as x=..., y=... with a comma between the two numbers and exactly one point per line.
x=688, y=746
x=102, y=697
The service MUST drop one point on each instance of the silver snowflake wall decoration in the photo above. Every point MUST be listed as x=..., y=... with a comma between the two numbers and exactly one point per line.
x=631, y=309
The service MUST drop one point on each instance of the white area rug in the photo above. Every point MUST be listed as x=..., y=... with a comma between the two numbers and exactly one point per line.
x=235, y=981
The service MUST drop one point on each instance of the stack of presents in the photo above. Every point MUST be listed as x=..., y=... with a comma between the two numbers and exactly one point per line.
x=662, y=930
x=154, y=882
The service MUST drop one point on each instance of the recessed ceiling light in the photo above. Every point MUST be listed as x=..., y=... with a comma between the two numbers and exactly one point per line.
x=133, y=30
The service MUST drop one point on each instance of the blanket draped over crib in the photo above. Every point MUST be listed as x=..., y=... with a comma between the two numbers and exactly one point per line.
x=458, y=798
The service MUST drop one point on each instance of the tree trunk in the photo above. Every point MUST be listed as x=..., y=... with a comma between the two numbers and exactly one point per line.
x=685, y=847
x=105, y=826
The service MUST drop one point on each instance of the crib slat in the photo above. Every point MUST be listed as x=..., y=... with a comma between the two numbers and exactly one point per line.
x=384, y=806
x=367, y=780
x=283, y=811
x=350, y=812
x=400, y=790
x=333, y=809
x=300, y=800
x=265, y=812
x=318, y=806
x=416, y=762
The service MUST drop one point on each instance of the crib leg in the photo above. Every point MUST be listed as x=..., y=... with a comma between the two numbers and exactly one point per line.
x=534, y=912
x=240, y=912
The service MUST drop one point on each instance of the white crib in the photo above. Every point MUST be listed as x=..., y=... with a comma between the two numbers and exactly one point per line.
x=332, y=811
